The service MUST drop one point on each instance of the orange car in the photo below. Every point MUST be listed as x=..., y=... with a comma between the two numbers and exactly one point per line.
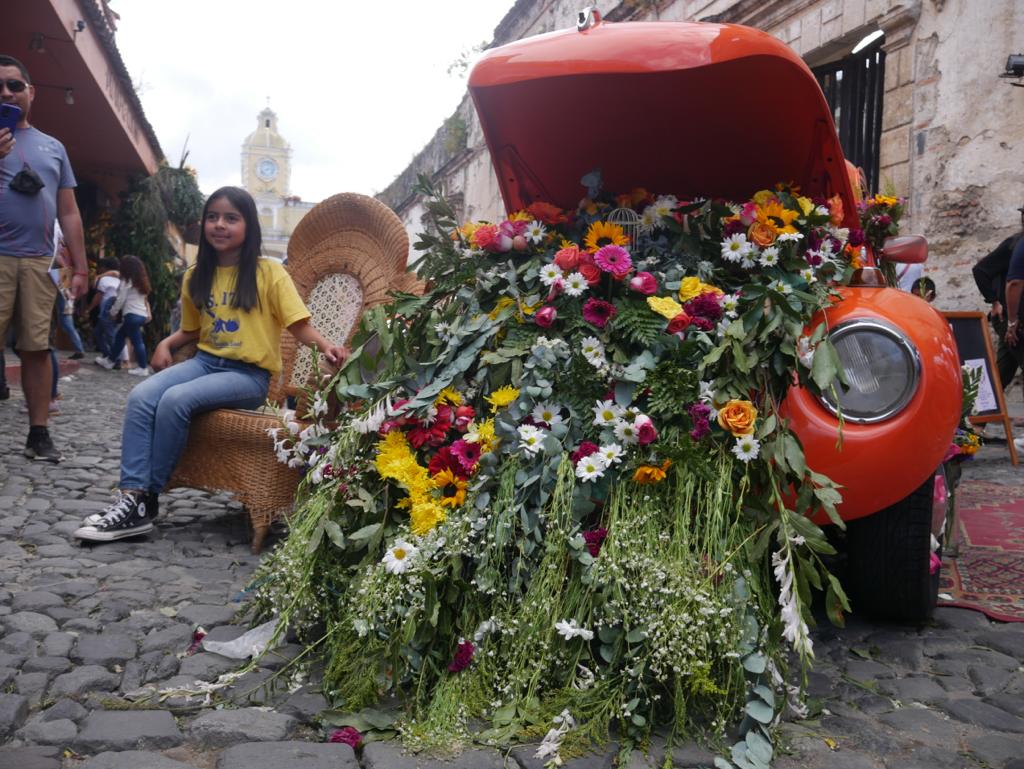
x=719, y=110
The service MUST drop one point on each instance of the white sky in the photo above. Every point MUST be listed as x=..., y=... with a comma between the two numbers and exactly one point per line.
x=358, y=87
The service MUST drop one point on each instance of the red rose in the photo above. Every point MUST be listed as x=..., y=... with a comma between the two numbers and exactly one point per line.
x=545, y=316
x=568, y=259
x=645, y=432
x=678, y=323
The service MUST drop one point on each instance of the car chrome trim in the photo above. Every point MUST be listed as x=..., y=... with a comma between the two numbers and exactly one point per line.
x=893, y=332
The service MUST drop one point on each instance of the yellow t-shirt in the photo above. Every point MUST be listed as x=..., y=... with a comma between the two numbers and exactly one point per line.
x=231, y=332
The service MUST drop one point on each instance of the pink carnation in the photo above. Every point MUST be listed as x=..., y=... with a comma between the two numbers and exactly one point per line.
x=614, y=259
x=490, y=238
x=598, y=312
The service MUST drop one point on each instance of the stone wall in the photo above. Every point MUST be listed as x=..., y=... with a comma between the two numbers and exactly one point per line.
x=952, y=131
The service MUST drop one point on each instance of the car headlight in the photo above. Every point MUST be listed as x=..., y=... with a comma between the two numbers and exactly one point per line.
x=882, y=369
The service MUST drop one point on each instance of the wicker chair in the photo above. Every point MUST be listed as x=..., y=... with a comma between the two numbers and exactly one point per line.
x=345, y=256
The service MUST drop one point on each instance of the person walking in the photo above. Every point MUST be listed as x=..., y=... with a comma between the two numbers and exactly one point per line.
x=132, y=303
x=65, y=302
x=235, y=304
x=36, y=187
x=108, y=279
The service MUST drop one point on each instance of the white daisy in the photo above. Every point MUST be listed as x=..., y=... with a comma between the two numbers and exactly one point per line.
x=569, y=629
x=550, y=273
x=808, y=274
x=781, y=286
x=785, y=237
x=626, y=431
x=730, y=305
x=769, y=257
x=575, y=284
x=535, y=232
x=611, y=453
x=649, y=220
x=663, y=206
x=548, y=413
x=591, y=468
x=398, y=558
x=735, y=247
x=821, y=211
x=747, y=447
x=606, y=413
x=530, y=438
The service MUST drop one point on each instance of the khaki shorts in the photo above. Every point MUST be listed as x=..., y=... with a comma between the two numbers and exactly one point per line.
x=27, y=295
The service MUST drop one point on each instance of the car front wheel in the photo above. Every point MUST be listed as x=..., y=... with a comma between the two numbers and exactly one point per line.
x=889, y=560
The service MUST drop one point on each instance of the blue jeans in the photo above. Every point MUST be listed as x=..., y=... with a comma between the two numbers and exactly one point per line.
x=131, y=327
x=68, y=324
x=161, y=407
x=104, y=332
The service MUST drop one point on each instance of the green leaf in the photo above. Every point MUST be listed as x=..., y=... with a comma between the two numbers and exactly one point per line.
x=636, y=635
x=758, y=747
x=760, y=712
x=365, y=533
x=765, y=694
x=826, y=365
x=755, y=663
x=333, y=531
x=794, y=454
x=505, y=714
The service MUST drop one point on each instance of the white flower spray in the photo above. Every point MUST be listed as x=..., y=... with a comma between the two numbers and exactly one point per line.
x=794, y=628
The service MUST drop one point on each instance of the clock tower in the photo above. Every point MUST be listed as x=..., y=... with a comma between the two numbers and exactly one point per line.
x=266, y=158
x=266, y=175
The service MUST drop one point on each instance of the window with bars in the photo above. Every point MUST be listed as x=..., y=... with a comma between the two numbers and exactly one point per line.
x=854, y=87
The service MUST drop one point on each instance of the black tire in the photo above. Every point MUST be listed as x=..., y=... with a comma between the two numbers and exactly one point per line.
x=889, y=557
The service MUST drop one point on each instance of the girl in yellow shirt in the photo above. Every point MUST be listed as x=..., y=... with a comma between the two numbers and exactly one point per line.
x=234, y=304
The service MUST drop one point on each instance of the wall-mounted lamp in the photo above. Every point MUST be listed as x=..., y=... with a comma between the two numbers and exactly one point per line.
x=69, y=96
x=69, y=92
x=79, y=25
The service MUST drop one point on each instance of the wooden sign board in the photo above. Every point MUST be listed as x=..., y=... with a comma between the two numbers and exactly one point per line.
x=974, y=344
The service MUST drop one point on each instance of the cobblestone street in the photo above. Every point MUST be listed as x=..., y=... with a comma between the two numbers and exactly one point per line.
x=89, y=635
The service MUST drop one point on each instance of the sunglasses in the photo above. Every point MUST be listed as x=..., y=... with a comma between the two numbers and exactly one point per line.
x=14, y=86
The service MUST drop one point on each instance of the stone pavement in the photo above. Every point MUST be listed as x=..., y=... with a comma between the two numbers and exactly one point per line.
x=90, y=634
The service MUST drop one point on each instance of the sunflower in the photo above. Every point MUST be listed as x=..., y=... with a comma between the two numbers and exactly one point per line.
x=601, y=234
x=777, y=217
x=453, y=488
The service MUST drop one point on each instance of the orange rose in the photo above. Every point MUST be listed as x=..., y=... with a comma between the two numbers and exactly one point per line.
x=737, y=417
x=762, y=234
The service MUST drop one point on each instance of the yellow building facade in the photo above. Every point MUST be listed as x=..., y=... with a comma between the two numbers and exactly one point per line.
x=266, y=175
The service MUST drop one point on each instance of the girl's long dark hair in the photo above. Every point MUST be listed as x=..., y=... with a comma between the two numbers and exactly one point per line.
x=246, y=294
x=133, y=270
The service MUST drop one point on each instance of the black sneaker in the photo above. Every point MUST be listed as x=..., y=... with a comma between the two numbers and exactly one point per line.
x=126, y=517
x=40, y=447
x=152, y=500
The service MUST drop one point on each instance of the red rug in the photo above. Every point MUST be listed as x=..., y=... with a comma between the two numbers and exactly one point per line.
x=988, y=574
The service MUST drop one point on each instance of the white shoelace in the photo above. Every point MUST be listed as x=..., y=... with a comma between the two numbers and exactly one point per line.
x=118, y=511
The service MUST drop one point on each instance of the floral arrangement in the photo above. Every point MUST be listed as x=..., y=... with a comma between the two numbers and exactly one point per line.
x=966, y=442
x=559, y=494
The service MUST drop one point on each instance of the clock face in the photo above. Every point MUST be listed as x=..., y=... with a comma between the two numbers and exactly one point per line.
x=266, y=169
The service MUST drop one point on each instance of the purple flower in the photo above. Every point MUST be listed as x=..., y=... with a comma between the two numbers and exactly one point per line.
x=594, y=539
x=598, y=312
x=463, y=656
x=704, y=306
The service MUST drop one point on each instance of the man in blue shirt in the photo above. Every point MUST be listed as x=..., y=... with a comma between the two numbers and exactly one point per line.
x=991, y=276
x=37, y=186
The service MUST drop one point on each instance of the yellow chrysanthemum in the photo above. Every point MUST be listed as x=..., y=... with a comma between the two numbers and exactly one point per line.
x=694, y=287
x=883, y=200
x=601, y=234
x=764, y=197
x=530, y=309
x=448, y=395
x=521, y=216
x=425, y=515
x=485, y=436
x=467, y=230
x=776, y=216
x=502, y=397
x=665, y=306
x=565, y=243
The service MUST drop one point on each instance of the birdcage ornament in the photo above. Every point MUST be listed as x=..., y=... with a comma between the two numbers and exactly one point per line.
x=629, y=221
